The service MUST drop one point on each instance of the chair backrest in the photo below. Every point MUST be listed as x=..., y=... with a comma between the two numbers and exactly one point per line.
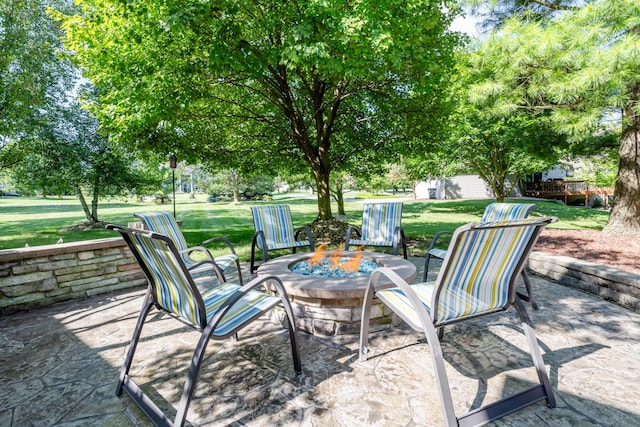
x=276, y=223
x=173, y=289
x=164, y=223
x=506, y=211
x=479, y=273
x=379, y=221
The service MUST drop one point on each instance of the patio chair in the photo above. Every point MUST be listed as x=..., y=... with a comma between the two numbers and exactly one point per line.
x=493, y=212
x=381, y=226
x=274, y=229
x=218, y=312
x=164, y=223
x=477, y=278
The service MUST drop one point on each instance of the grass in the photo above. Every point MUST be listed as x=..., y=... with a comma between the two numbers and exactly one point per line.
x=37, y=221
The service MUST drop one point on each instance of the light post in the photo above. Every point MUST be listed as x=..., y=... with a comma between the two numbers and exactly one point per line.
x=173, y=164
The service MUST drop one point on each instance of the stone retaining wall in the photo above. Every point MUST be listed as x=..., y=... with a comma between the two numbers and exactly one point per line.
x=44, y=275
x=612, y=284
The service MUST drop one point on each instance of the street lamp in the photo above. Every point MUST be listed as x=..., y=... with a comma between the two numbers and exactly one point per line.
x=173, y=164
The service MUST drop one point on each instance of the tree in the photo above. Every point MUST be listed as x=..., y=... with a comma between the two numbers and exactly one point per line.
x=268, y=83
x=74, y=156
x=33, y=76
x=582, y=67
x=502, y=147
x=232, y=182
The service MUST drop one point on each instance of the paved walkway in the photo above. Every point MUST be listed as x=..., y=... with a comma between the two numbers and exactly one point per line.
x=59, y=366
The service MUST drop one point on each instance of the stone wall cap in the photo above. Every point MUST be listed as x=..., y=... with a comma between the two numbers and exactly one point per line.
x=609, y=273
x=59, y=249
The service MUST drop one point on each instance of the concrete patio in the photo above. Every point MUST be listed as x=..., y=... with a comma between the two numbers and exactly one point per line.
x=60, y=364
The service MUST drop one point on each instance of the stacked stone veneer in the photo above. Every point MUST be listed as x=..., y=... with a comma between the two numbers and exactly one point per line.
x=612, y=284
x=43, y=275
x=337, y=316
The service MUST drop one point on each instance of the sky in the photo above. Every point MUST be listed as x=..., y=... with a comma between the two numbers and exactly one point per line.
x=466, y=24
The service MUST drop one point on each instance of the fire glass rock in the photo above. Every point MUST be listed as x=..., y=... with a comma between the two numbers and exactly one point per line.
x=326, y=268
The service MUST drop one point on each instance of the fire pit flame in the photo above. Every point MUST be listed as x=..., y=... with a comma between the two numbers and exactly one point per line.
x=334, y=258
x=353, y=264
x=318, y=255
x=337, y=264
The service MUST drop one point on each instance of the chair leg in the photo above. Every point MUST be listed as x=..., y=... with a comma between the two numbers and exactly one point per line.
x=536, y=356
x=192, y=375
x=426, y=268
x=295, y=352
x=252, y=267
x=527, y=284
x=146, y=307
x=239, y=272
x=364, y=323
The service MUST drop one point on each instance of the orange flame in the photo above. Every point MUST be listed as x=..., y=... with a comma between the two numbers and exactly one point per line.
x=353, y=264
x=334, y=258
x=318, y=255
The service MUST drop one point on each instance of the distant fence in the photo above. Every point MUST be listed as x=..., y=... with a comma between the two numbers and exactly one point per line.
x=44, y=275
x=565, y=189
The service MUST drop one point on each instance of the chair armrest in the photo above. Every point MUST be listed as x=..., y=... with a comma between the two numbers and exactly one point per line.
x=209, y=259
x=353, y=229
x=242, y=291
x=436, y=237
x=307, y=231
x=347, y=237
x=222, y=239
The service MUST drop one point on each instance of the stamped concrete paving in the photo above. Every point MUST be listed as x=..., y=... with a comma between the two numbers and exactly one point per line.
x=59, y=366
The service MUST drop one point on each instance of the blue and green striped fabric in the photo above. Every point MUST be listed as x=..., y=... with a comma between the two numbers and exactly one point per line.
x=476, y=274
x=164, y=223
x=276, y=223
x=504, y=211
x=247, y=308
x=494, y=212
x=379, y=222
x=173, y=292
x=171, y=287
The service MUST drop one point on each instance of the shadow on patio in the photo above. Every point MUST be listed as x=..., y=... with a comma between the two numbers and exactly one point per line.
x=60, y=367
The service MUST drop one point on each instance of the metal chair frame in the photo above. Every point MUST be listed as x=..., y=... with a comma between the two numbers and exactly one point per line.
x=186, y=251
x=424, y=317
x=260, y=241
x=493, y=212
x=398, y=238
x=206, y=327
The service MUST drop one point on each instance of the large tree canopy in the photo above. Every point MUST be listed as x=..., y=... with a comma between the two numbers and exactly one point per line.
x=32, y=74
x=256, y=84
x=582, y=67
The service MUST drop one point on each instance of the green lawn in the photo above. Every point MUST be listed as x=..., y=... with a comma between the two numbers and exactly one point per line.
x=37, y=221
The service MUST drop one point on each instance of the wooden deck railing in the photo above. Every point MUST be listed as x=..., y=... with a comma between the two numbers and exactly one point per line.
x=566, y=188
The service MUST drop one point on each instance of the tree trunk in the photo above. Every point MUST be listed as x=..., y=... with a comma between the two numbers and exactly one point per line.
x=83, y=202
x=339, y=196
x=94, y=204
x=625, y=212
x=324, y=195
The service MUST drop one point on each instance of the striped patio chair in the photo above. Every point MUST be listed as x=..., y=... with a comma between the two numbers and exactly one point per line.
x=218, y=312
x=493, y=212
x=274, y=229
x=164, y=223
x=381, y=226
x=477, y=278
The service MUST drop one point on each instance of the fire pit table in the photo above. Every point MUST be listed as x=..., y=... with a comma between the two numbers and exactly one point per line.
x=332, y=305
